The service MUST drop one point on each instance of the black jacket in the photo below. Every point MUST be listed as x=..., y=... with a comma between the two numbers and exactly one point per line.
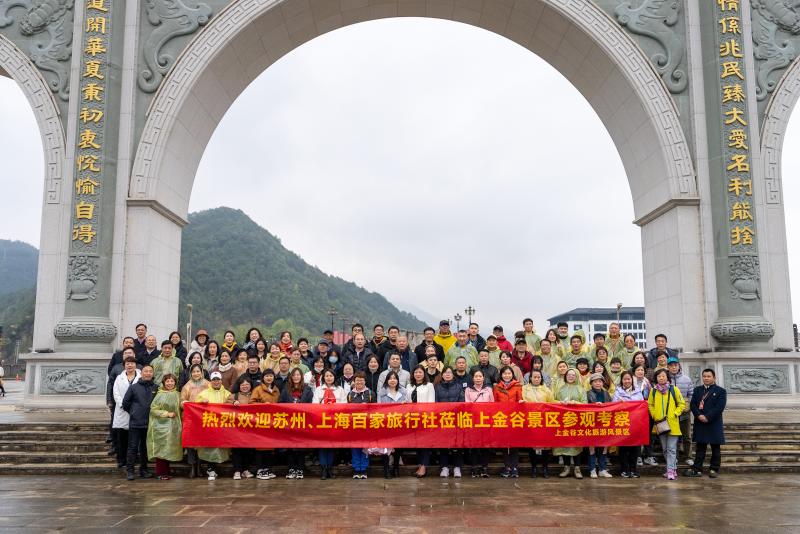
x=478, y=343
x=280, y=381
x=361, y=398
x=420, y=351
x=490, y=373
x=138, y=348
x=359, y=361
x=593, y=396
x=306, y=397
x=372, y=380
x=180, y=352
x=147, y=359
x=408, y=360
x=449, y=391
x=714, y=400
x=137, y=402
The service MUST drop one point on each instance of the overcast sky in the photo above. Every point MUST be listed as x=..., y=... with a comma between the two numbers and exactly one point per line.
x=434, y=162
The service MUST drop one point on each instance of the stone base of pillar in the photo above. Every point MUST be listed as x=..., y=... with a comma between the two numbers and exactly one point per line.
x=752, y=379
x=65, y=380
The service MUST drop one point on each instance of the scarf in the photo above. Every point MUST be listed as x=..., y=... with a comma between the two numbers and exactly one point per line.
x=328, y=397
x=224, y=367
x=663, y=388
x=229, y=348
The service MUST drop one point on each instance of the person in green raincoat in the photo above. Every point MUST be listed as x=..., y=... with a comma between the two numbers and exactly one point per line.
x=215, y=394
x=549, y=358
x=164, y=427
x=562, y=332
x=571, y=392
x=629, y=350
x=577, y=348
x=532, y=339
x=166, y=363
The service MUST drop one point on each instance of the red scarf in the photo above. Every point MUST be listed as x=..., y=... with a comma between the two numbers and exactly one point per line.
x=328, y=397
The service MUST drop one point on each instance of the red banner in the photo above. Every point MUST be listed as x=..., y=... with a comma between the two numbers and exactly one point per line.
x=410, y=426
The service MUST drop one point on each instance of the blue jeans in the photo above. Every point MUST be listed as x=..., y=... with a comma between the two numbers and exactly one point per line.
x=359, y=460
x=326, y=457
x=599, y=454
x=669, y=444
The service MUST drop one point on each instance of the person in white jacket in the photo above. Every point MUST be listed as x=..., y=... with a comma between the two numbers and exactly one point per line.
x=328, y=393
x=421, y=389
x=121, y=417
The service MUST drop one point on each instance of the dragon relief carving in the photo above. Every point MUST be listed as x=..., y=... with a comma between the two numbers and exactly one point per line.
x=49, y=25
x=776, y=24
x=171, y=19
x=656, y=19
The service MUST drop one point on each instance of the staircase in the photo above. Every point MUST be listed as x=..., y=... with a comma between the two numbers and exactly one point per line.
x=80, y=448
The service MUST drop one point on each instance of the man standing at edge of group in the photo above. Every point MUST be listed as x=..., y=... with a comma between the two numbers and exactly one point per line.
x=708, y=403
x=444, y=337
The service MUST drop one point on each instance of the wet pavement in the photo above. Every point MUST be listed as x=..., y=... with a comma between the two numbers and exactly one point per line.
x=87, y=504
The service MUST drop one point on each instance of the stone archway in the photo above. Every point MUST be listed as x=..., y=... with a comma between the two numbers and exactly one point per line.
x=577, y=38
x=55, y=206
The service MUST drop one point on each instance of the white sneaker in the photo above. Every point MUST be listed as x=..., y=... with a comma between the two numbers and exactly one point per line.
x=592, y=474
x=291, y=474
x=237, y=475
x=269, y=475
x=212, y=475
x=689, y=462
x=247, y=474
x=650, y=461
x=457, y=472
x=639, y=461
x=445, y=472
x=261, y=474
x=605, y=474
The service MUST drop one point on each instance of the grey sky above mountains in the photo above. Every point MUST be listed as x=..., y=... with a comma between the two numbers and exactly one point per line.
x=436, y=163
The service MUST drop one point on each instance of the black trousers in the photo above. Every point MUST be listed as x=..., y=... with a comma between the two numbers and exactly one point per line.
x=296, y=458
x=627, y=459
x=137, y=443
x=480, y=457
x=539, y=459
x=700, y=456
x=121, y=444
x=242, y=459
x=264, y=459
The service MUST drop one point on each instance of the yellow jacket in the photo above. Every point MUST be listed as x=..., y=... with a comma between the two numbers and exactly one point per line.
x=214, y=396
x=662, y=405
x=540, y=393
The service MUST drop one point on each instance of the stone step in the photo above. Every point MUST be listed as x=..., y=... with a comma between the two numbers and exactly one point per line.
x=28, y=457
x=55, y=427
x=774, y=444
x=22, y=435
x=54, y=446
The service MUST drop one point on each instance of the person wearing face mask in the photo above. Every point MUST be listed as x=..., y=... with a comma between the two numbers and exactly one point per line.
x=334, y=362
x=314, y=377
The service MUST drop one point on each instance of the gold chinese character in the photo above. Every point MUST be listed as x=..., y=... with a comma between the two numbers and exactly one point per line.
x=742, y=235
x=737, y=139
x=736, y=185
x=85, y=186
x=96, y=24
x=728, y=5
x=735, y=115
x=84, y=210
x=99, y=5
x=741, y=211
x=730, y=48
x=94, y=46
x=739, y=163
x=730, y=25
x=84, y=233
x=732, y=93
x=93, y=70
x=92, y=92
x=90, y=115
x=87, y=139
x=87, y=163
x=731, y=68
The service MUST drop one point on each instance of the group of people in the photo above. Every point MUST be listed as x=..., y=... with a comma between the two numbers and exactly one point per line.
x=148, y=384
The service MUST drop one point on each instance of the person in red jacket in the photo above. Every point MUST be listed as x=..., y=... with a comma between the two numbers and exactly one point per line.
x=502, y=342
x=509, y=390
x=522, y=357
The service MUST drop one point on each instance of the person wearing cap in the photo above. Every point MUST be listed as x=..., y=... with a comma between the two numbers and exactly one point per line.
x=199, y=343
x=427, y=341
x=666, y=404
x=166, y=363
x=502, y=342
x=597, y=394
x=327, y=336
x=215, y=393
x=494, y=350
x=461, y=348
x=685, y=384
x=444, y=337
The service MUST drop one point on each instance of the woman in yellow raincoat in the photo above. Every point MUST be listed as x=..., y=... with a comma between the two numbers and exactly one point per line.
x=214, y=394
x=667, y=404
x=164, y=427
x=536, y=391
x=571, y=392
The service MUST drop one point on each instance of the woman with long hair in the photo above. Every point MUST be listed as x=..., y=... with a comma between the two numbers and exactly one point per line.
x=296, y=391
x=421, y=391
x=328, y=393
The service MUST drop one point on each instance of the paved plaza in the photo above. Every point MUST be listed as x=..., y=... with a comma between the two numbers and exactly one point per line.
x=102, y=504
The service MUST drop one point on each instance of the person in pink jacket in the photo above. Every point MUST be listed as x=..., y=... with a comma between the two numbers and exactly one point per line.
x=479, y=392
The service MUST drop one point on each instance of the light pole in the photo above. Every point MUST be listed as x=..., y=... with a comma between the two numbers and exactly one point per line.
x=619, y=307
x=333, y=313
x=344, y=327
x=470, y=311
x=189, y=323
x=458, y=318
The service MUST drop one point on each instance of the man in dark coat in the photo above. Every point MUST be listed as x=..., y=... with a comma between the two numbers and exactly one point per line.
x=708, y=403
x=137, y=402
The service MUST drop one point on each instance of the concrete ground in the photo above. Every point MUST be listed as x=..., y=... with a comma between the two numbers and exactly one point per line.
x=103, y=504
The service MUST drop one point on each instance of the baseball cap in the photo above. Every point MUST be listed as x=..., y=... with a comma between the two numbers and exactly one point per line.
x=216, y=374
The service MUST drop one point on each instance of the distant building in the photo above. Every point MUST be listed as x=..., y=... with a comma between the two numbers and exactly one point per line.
x=594, y=320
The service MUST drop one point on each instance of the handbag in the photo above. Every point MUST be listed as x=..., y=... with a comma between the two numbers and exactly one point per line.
x=662, y=425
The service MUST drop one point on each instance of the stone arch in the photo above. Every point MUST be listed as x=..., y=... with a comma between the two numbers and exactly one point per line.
x=577, y=38
x=56, y=193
